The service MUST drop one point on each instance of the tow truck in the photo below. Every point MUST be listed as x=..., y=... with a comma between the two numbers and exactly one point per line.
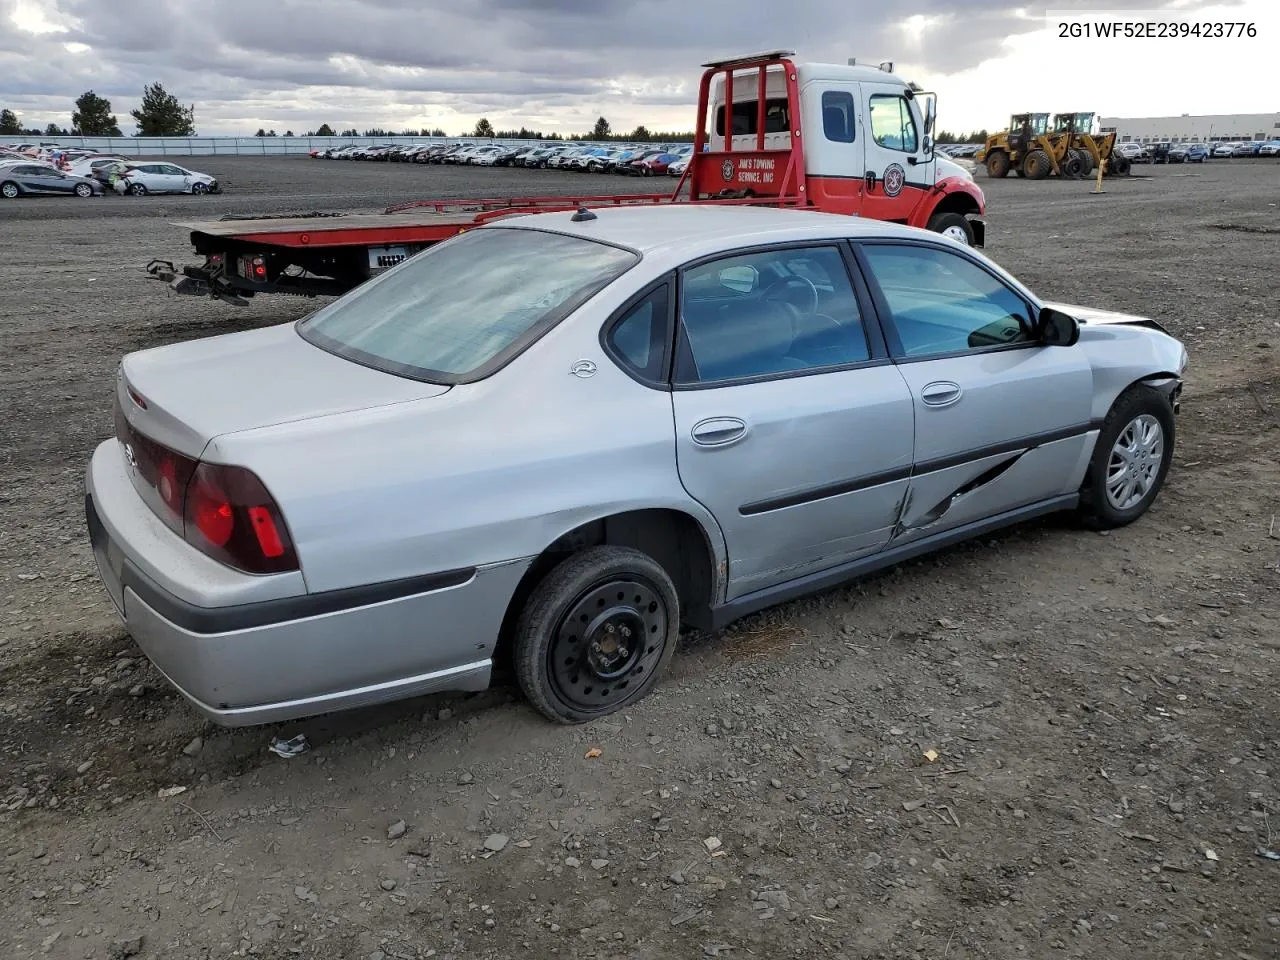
x=851, y=138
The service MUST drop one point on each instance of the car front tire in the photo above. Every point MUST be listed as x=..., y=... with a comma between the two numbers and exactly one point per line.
x=596, y=634
x=1130, y=461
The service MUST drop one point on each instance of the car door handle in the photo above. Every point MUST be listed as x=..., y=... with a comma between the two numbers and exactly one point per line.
x=718, y=431
x=940, y=393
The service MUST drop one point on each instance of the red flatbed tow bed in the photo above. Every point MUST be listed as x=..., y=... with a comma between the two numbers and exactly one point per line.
x=759, y=158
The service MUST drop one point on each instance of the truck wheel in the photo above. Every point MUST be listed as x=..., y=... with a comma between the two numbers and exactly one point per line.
x=1130, y=461
x=1086, y=159
x=1118, y=165
x=596, y=635
x=1071, y=167
x=998, y=164
x=953, y=225
x=1036, y=166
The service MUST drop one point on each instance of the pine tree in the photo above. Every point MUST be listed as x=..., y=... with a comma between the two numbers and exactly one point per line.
x=161, y=115
x=92, y=116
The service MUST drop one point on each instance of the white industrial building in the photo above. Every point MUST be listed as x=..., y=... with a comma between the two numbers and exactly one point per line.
x=1230, y=127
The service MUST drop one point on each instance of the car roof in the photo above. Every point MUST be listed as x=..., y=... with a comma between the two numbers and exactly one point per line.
x=687, y=230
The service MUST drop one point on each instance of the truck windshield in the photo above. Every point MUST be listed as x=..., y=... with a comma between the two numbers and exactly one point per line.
x=462, y=309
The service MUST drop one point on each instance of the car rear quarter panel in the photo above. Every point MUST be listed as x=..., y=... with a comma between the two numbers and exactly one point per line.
x=485, y=473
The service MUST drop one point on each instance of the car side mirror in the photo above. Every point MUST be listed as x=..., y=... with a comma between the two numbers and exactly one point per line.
x=1058, y=329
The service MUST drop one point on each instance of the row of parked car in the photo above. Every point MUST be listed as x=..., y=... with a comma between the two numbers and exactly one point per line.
x=51, y=170
x=1196, y=152
x=637, y=160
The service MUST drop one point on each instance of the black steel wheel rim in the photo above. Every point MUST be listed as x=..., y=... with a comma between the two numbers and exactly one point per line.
x=607, y=643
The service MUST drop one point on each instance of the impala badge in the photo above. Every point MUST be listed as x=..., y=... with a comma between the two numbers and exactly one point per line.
x=583, y=369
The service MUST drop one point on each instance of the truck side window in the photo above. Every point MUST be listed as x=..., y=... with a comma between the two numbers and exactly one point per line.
x=892, y=125
x=837, y=116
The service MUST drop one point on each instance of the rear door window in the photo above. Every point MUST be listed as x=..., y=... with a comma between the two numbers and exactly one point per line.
x=775, y=312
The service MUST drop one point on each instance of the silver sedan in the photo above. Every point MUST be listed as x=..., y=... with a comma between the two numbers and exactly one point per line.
x=553, y=440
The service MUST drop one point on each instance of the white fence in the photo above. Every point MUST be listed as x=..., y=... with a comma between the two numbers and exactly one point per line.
x=240, y=146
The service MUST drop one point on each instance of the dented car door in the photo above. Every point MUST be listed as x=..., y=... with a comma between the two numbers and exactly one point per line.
x=1001, y=419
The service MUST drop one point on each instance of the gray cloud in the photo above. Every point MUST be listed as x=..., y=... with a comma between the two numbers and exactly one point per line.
x=302, y=62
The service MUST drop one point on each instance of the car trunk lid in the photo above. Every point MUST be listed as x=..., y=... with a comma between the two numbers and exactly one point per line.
x=185, y=394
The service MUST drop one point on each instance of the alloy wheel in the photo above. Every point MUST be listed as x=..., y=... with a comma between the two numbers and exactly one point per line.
x=1135, y=461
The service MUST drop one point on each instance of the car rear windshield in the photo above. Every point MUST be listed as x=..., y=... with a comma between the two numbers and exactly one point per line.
x=463, y=308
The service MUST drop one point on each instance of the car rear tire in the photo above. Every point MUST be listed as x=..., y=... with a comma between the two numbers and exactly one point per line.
x=953, y=225
x=84, y=190
x=596, y=634
x=1130, y=461
x=137, y=189
x=9, y=190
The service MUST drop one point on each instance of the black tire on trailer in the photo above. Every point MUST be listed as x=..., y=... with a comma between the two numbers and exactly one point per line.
x=953, y=225
x=1036, y=165
x=596, y=634
x=997, y=164
x=1130, y=459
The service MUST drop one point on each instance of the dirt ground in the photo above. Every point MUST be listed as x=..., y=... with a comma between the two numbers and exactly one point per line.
x=1103, y=707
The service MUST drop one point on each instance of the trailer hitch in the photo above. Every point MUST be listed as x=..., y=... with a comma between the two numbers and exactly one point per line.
x=192, y=281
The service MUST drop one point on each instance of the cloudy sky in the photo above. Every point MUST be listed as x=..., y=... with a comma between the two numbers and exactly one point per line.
x=558, y=64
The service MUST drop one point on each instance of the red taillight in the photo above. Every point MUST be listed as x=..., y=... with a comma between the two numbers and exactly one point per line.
x=159, y=474
x=253, y=268
x=222, y=511
x=231, y=517
x=209, y=508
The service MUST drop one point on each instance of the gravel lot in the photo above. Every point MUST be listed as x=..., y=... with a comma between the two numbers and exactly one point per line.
x=1103, y=707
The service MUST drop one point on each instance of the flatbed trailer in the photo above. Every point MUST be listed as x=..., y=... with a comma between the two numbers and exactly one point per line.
x=846, y=139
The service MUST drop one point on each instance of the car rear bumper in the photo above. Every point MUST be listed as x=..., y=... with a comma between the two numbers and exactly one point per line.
x=277, y=659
